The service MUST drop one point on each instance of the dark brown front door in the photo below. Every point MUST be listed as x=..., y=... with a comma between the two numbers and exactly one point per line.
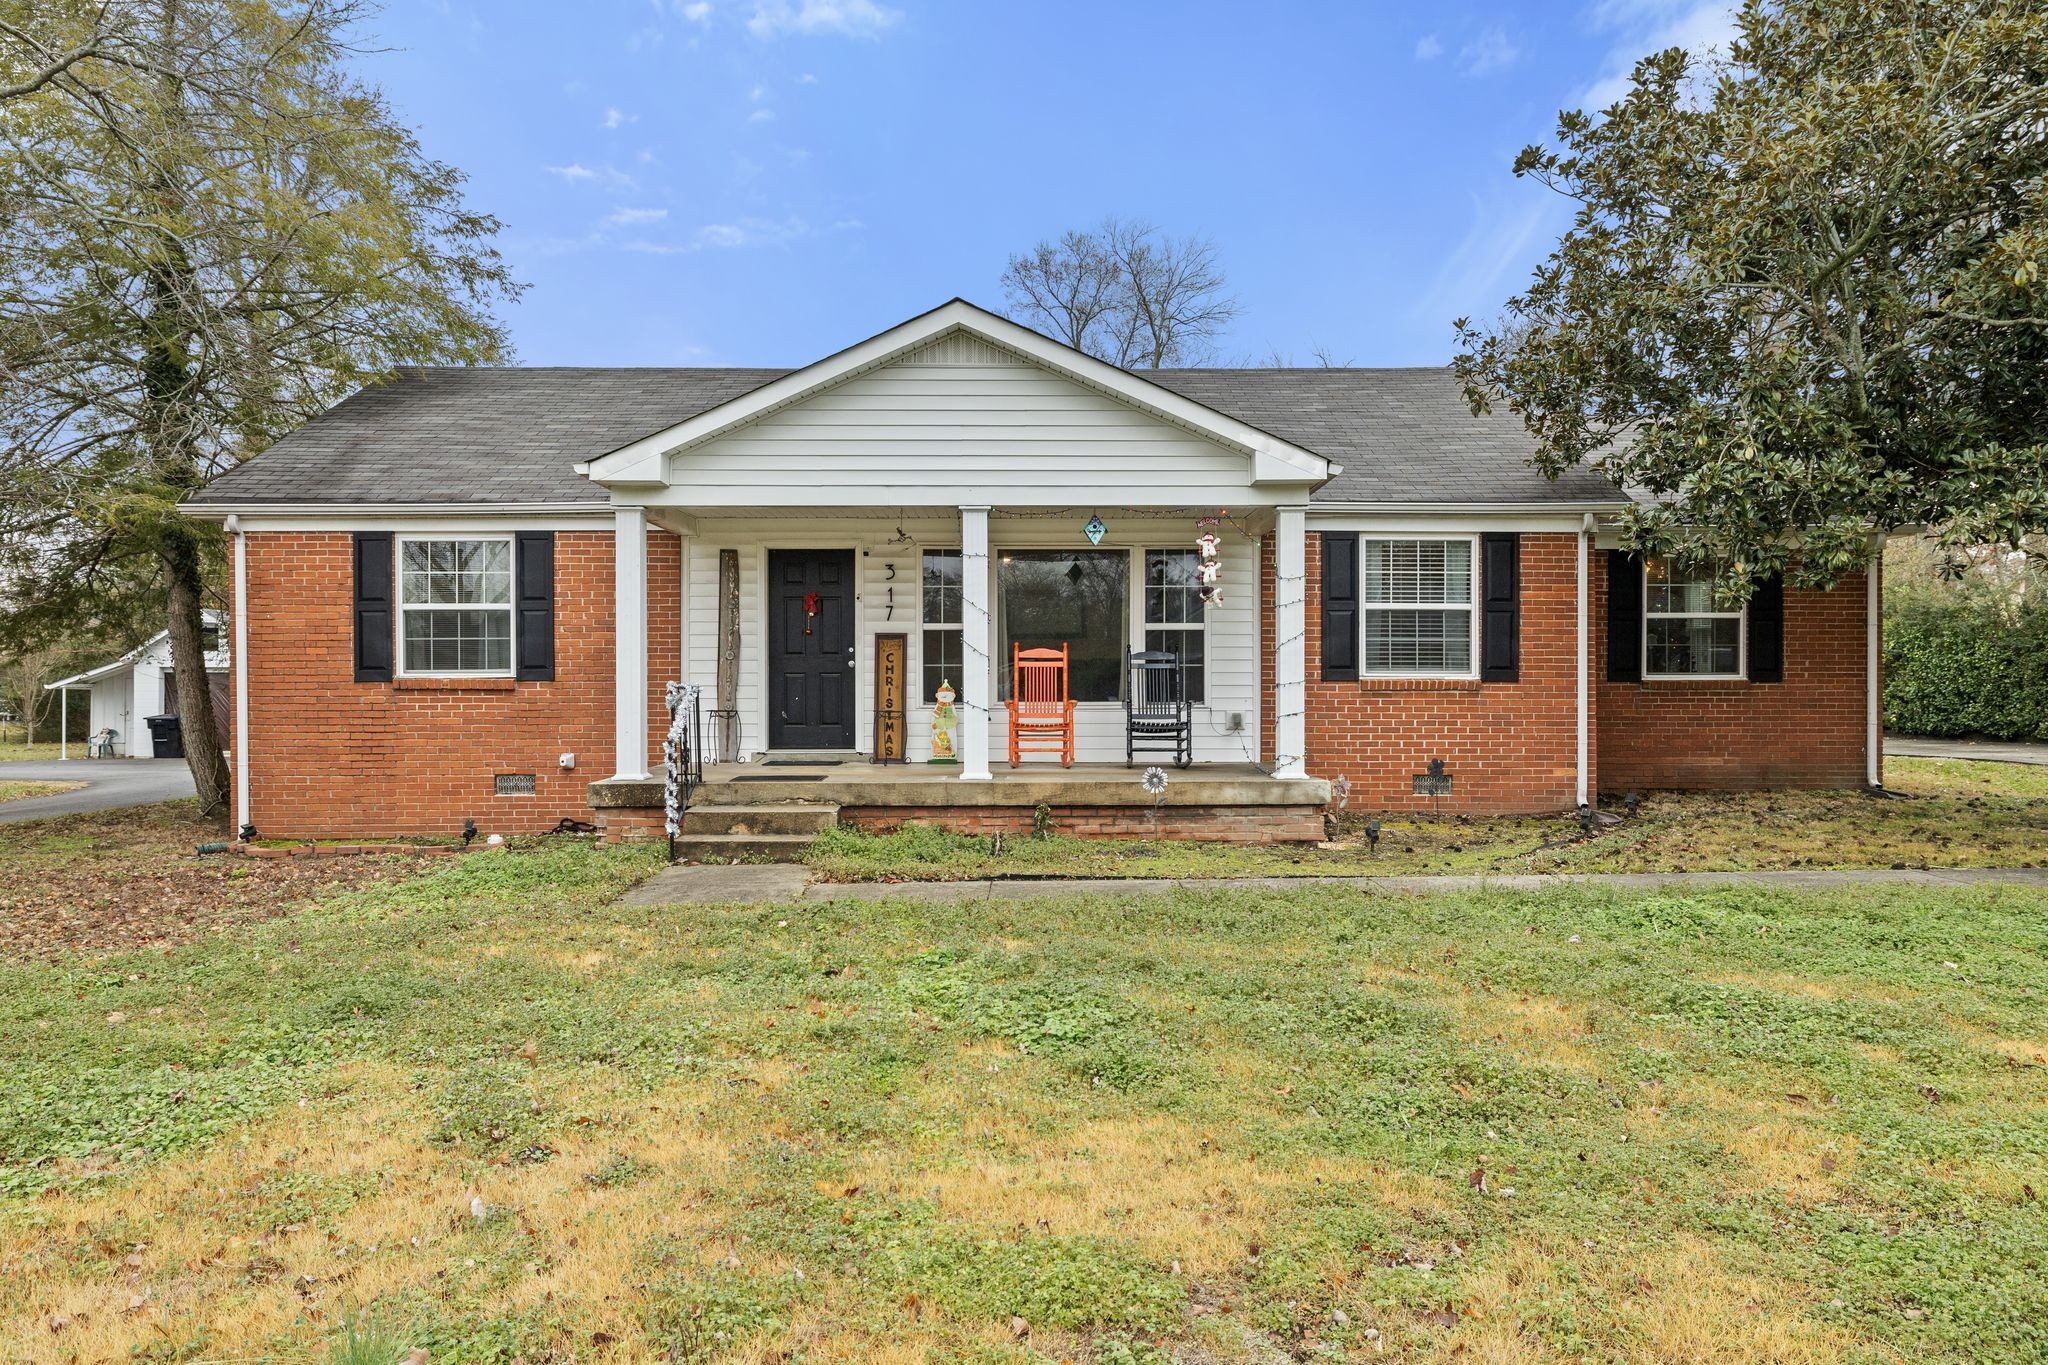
x=810, y=654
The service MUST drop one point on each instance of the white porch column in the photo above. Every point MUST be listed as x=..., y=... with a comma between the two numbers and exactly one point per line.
x=238, y=663
x=1585, y=656
x=1290, y=642
x=629, y=668
x=977, y=639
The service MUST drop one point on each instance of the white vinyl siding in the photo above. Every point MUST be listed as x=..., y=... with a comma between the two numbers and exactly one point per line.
x=1418, y=607
x=935, y=435
x=894, y=605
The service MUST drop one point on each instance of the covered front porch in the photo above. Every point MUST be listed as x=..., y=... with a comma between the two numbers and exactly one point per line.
x=855, y=541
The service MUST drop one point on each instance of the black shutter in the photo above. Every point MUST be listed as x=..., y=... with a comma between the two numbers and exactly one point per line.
x=373, y=606
x=1340, y=606
x=1767, y=631
x=535, y=637
x=1624, y=617
x=1500, y=599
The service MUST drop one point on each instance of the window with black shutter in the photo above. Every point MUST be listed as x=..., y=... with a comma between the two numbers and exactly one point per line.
x=373, y=605
x=1767, y=631
x=1340, y=606
x=1500, y=598
x=1624, y=617
x=535, y=554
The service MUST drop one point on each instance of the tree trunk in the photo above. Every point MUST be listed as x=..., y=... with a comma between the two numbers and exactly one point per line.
x=180, y=556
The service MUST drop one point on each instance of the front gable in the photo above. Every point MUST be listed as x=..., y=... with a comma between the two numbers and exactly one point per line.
x=956, y=408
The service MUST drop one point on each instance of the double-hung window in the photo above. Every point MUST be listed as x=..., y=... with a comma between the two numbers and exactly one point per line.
x=455, y=606
x=1418, y=600
x=940, y=616
x=1690, y=627
x=1174, y=613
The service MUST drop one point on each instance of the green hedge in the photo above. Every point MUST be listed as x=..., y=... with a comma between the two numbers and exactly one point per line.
x=1960, y=663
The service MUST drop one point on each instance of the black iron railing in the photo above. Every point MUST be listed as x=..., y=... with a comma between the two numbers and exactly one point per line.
x=683, y=755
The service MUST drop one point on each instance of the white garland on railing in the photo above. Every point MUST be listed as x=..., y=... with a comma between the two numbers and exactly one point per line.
x=675, y=752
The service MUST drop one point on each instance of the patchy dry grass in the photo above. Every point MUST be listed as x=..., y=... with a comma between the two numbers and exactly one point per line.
x=1953, y=814
x=21, y=791
x=488, y=1113
x=116, y=880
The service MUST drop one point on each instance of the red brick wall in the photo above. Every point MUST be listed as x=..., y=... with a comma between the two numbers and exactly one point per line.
x=332, y=757
x=1508, y=747
x=1807, y=731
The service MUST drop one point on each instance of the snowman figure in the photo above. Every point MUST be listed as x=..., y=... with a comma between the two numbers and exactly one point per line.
x=944, y=721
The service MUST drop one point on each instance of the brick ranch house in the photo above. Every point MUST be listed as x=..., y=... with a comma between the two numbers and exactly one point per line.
x=459, y=595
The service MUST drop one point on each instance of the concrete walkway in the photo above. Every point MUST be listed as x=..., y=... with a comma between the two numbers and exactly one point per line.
x=110, y=783
x=774, y=883
x=1977, y=750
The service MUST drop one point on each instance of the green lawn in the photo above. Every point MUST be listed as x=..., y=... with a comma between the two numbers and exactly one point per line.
x=484, y=1112
x=1949, y=814
x=21, y=791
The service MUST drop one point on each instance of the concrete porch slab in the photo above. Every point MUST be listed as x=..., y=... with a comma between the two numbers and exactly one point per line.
x=861, y=784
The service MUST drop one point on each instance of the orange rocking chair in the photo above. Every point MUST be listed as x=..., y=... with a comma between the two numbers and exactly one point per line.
x=1041, y=712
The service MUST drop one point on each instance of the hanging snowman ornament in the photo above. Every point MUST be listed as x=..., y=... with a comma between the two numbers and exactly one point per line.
x=1210, y=571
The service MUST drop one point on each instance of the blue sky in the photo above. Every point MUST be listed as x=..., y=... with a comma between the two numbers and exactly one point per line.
x=761, y=182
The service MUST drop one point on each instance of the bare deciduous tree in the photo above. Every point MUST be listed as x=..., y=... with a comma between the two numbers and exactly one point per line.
x=1125, y=293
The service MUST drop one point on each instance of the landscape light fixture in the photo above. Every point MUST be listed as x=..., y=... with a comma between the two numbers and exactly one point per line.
x=1585, y=818
x=1633, y=803
x=1372, y=834
x=247, y=834
x=468, y=832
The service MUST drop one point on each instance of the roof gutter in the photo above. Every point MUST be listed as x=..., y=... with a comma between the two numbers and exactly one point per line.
x=1321, y=506
x=221, y=511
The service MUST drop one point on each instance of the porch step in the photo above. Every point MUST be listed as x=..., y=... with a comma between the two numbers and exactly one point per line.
x=779, y=832
x=784, y=817
x=711, y=848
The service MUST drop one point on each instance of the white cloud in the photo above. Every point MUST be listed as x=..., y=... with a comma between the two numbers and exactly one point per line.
x=745, y=232
x=1702, y=27
x=629, y=217
x=1489, y=52
x=758, y=93
x=697, y=13
x=576, y=173
x=761, y=116
x=848, y=18
x=807, y=79
x=615, y=118
x=1428, y=48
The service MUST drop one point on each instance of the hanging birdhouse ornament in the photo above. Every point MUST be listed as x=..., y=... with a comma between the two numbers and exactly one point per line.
x=1095, y=530
x=810, y=610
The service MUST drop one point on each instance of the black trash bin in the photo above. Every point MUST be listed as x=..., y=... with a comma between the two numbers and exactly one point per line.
x=166, y=736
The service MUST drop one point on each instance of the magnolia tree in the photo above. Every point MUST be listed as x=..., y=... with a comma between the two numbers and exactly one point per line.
x=212, y=232
x=1804, y=297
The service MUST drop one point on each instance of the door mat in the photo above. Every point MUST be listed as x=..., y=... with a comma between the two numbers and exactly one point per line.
x=801, y=762
x=780, y=777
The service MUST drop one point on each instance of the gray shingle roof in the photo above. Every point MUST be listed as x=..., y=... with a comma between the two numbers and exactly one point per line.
x=486, y=436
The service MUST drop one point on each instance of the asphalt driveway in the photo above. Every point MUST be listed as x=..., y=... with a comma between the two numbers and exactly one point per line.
x=110, y=782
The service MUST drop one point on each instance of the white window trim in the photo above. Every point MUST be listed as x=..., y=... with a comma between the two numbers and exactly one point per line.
x=400, y=607
x=1741, y=673
x=1141, y=622
x=1471, y=608
x=957, y=627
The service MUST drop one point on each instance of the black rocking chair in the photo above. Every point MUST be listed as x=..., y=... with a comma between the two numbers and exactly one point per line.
x=1157, y=717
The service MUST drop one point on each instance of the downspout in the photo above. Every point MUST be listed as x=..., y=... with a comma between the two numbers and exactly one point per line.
x=1873, y=666
x=1585, y=660
x=240, y=666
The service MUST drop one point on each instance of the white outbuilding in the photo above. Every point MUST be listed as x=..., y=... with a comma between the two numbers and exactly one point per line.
x=139, y=684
